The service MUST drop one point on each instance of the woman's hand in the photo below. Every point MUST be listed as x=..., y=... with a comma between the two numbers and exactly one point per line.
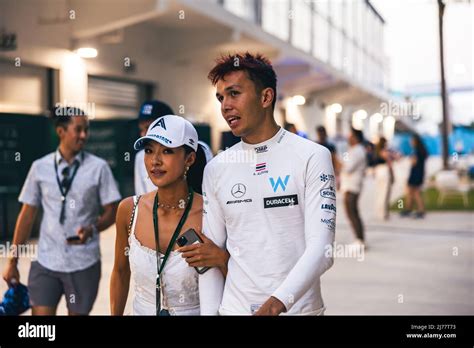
x=205, y=254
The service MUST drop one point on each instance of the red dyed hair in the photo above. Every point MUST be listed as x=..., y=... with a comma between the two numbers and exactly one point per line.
x=259, y=69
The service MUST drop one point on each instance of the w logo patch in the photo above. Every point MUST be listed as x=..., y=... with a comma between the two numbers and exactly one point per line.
x=279, y=182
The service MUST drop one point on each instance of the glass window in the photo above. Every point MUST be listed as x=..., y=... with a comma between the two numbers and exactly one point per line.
x=322, y=7
x=301, y=25
x=360, y=25
x=320, y=37
x=241, y=8
x=22, y=90
x=379, y=48
x=360, y=64
x=348, y=60
x=367, y=20
x=348, y=20
x=114, y=98
x=336, y=48
x=335, y=7
x=370, y=31
x=275, y=17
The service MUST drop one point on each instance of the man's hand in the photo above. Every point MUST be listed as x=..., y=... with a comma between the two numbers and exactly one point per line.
x=272, y=306
x=84, y=233
x=10, y=273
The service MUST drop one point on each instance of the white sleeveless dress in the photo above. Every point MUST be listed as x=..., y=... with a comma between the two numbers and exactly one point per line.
x=180, y=293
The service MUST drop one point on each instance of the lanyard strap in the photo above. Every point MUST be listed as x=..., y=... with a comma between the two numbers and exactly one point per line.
x=160, y=265
x=64, y=191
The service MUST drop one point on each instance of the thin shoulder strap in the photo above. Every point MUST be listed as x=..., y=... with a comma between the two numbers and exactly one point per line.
x=135, y=204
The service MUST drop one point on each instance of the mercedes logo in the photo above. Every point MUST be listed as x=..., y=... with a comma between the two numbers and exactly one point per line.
x=238, y=190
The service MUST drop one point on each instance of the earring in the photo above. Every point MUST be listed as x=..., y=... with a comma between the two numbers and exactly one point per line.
x=185, y=176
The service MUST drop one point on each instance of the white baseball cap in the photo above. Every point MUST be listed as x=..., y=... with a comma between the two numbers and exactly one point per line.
x=171, y=131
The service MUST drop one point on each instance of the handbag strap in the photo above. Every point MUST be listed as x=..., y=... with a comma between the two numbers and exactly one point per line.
x=135, y=204
x=160, y=265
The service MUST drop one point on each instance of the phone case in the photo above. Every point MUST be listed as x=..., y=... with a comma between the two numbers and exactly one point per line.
x=190, y=237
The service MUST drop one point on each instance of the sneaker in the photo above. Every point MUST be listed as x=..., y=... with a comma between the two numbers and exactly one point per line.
x=419, y=215
x=405, y=213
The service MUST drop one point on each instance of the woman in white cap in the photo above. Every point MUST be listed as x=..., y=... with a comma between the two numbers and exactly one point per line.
x=149, y=225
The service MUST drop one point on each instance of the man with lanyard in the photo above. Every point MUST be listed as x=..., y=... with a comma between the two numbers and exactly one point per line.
x=275, y=213
x=149, y=112
x=73, y=187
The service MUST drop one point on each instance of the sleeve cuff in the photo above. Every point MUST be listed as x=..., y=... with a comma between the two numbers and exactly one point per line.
x=29, y=202
x=284, y=298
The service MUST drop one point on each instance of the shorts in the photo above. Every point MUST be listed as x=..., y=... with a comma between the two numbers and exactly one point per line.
x=80, y=288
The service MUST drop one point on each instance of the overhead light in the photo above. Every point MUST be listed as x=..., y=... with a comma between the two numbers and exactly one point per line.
x=86, y=52
x=361, y=114
x=357, y=122
x=298, y=100
x=336, y=107
x=377, y=117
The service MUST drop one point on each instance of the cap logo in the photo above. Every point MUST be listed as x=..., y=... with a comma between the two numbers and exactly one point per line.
x=160, y=123
x=147, y=109
x=191, y=141
x=166, y=140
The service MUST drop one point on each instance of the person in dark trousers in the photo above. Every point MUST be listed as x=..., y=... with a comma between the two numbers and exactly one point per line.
x=72, y=187
x=352, y=176
x=415, y=180
x=384, y=178
x=323, y=140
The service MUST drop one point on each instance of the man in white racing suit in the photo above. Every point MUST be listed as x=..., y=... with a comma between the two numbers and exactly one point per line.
x=269, y=200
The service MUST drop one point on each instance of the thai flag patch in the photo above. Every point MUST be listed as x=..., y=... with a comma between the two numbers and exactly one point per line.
x=260, y=167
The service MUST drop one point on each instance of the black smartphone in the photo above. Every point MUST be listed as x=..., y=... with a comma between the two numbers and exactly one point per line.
x=73, y=238
x=191, y=237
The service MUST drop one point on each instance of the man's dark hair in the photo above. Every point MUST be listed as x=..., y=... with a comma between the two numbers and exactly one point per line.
x=321, y=129
x=420, y=147
x=62, y=115
x=259, y=69
x=358, y=134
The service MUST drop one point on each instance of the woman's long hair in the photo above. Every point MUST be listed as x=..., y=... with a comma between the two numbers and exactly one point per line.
x=380, y=146
x=196, y=171
x=419, y=146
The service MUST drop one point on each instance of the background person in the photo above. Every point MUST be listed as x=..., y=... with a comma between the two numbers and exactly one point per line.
x=149, y=112
x=175, y=164
x=352, y=177
x=72, y=186
x=384, y=178
x=322, y=139
x=416, y=178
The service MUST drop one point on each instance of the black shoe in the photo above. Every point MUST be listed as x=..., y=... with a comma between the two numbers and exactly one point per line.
x=405, y=213
x=419, y=215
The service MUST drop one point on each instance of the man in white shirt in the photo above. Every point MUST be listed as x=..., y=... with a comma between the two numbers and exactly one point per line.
x=352, y=176
x=270, y=200
x=79, y=197
x=149, y=112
